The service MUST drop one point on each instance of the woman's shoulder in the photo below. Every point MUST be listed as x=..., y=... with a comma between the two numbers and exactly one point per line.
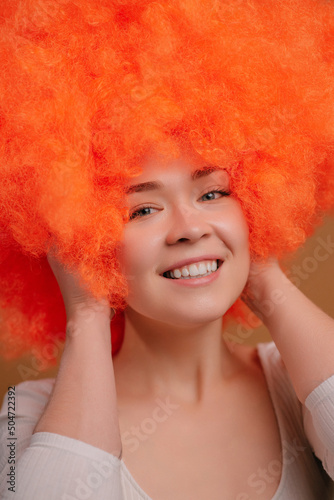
x=265, y=358
x=270, y=357
x=259, y=354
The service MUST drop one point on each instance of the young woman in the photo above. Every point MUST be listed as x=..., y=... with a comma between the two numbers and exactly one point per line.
x=190, y=417
x=177, y=412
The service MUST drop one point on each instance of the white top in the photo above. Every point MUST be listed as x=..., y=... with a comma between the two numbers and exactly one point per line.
x=49, y=466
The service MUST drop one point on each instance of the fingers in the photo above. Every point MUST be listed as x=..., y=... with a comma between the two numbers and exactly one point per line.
x=78, y=299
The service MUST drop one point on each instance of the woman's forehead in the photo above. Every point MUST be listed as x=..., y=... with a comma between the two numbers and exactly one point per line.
x=154, y=175
x=188, y=162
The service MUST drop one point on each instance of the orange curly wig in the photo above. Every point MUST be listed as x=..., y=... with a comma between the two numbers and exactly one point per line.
x=87, y=88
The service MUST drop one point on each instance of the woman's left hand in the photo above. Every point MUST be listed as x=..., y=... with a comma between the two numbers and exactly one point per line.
x=262, y=279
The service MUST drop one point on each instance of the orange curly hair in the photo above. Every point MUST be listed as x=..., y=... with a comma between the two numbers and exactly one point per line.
x=86, y=88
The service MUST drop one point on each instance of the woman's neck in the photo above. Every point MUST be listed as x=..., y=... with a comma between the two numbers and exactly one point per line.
x=188, y=363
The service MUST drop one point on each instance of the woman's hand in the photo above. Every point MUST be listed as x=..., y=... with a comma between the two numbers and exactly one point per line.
x=302, y=332
x=79, y=302
x=84, y=398
x=263, y=278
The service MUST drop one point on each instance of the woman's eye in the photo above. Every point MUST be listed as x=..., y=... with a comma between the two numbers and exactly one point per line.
x=210, y=195
x=141, y=212
x=213, y=195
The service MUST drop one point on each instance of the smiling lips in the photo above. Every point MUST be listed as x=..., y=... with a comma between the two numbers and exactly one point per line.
x=194, y=270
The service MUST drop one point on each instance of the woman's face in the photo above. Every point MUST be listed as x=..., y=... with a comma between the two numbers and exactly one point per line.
x=183, y=224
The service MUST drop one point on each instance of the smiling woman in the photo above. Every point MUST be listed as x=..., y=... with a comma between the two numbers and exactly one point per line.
x=193, y=219
x=156, y=161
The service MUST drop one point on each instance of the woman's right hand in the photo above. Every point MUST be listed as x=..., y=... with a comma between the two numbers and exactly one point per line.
x=84, y=398
x=79, y=302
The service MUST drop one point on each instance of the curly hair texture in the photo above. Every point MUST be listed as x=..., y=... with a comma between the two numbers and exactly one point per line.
x=88, y=88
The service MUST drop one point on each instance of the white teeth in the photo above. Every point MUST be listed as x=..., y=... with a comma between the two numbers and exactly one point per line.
x=202, y=269
x=193, y=270
x=185, y=272
x=199, y=269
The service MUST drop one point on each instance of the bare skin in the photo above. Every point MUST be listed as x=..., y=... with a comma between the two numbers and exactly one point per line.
x=218, y=443
x=84, y=398
x=214, y=436
x=173, y=348
x=222, y=427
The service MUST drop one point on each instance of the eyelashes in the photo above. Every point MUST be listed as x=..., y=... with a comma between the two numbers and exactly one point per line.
x=138, y=212
x=143, y=210
x=219, y=191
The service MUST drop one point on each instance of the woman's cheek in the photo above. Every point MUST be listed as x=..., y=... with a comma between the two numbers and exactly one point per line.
x=124, y=255
x=239, y=227
x=134, y=255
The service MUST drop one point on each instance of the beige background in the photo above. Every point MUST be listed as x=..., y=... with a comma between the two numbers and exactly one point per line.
x=314, y=275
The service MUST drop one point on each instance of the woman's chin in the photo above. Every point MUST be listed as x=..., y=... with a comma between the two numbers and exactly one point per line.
x=180, y=317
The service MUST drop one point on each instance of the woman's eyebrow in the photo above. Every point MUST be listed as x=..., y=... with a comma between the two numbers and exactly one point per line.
x=153, y=185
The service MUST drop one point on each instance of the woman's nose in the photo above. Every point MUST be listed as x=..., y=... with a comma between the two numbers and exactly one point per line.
x=187, y=224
